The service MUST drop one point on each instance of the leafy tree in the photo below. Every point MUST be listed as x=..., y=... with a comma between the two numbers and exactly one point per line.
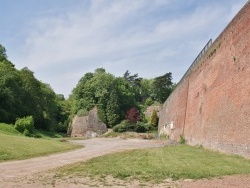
x=135, y=83
x=25, y=124
x=162, y=87
x=133, y=115
x=10, y=93
x=113, y=109
x=154, y=119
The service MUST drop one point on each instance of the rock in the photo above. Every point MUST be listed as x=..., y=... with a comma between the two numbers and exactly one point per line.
x=87, y=126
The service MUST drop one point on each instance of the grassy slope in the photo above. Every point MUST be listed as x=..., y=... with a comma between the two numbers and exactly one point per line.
x=8, y=129
x=15, y=146
x=157, y=164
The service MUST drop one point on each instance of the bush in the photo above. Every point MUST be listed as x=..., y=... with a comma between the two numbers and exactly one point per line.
x=140, y=127
x=25, y=124
x=82, y=112
x=182, y=140
x=149, y=101
x=154, y=119
x=26, y=132
x=120, y=128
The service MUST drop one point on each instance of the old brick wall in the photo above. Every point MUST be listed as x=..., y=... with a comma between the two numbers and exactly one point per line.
x=211, y=105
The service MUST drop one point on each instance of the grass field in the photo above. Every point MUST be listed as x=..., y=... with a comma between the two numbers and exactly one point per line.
x=8, y=129
x=176, y=162
x=15, y=146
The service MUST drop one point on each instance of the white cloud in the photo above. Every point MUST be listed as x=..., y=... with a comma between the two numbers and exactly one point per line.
x=139, y=36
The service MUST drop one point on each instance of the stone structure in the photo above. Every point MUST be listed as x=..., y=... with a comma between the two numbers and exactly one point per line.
x=89, y=126
x=149, y=111
x=211, y=104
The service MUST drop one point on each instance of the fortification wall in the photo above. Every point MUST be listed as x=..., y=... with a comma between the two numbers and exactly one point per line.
x=211, y=105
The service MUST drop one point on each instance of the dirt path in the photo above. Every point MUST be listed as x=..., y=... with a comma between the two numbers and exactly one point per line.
x=36, y=172
x=10, y=172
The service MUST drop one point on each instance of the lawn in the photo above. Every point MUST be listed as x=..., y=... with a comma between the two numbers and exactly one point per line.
x=8, y=129
x=15, y=146
x=176, y=162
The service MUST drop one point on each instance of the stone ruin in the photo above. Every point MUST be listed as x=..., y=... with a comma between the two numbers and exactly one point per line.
x=87, y=126
x=149, y=111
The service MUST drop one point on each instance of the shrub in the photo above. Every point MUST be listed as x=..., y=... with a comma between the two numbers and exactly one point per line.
x=26, y=132
x=25, y=124
x=154, y=119
x=182, y=139
x=133, y=115
x=149, y=101
x=140, y=127
x=82, y=112
x=122, y=127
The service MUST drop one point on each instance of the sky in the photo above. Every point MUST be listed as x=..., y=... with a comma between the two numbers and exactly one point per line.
x=61, y=40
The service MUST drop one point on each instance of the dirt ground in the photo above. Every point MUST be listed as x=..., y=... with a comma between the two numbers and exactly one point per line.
x=38, y=172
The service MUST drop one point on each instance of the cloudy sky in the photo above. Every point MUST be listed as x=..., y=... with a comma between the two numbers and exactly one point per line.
x=61, y=40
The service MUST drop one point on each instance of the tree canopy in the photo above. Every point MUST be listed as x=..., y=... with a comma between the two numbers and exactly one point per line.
x=21, y=95
x=117, y=98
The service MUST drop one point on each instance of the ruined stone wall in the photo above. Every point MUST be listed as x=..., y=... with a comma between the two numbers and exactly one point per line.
x=211, y=105
x=88, y=126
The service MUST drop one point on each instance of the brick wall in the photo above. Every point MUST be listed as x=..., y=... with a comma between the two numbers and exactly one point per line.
x=211, y=104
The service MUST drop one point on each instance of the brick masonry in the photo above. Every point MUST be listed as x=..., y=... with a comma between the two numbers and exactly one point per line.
x=211, y=104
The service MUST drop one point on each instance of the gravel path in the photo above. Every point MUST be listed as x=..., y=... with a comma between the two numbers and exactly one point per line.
x=37, y=172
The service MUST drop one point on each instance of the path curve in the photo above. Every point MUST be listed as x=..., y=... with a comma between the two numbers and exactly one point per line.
x=14, y=170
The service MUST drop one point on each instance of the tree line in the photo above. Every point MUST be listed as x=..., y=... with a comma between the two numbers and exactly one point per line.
x=22, y=95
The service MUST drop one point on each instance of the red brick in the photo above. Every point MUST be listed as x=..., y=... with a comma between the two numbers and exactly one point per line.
x=211, y=105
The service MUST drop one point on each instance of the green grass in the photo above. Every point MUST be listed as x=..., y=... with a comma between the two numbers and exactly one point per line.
x=13, y=147
x=8, y=129
x=176, y=162
x=46, y=134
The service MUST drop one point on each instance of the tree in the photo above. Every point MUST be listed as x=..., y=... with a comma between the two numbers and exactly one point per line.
x=3, y=55
x=133, y=115
x=162, y=87
x=11, y=90
x=154, y=119
x=135, y=83
x=113, y=109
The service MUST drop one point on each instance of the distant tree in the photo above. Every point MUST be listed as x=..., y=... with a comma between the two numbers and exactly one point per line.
x=134, y=82
x=113, y=109
x=162, y=87
x=3, y=55
x=154, y=119
x=133, y=115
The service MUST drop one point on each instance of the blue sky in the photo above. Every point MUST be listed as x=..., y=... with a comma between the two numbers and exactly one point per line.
x=61, y=40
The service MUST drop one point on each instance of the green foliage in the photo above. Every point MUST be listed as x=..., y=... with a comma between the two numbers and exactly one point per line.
x=112, y=110
x=8, y=129
x=162, y=87
x=21, y=94
x=82, y=112
x=154, y=118
x=120, y=128
x=182, y=139
x=139, y=127
x=149, y=101
x=25, y=125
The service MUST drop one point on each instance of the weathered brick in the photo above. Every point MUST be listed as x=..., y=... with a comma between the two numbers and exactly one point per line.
x=211, y=104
